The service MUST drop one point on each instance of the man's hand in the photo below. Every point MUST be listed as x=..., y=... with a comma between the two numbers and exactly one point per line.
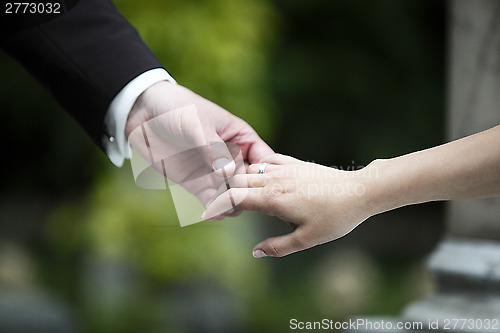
x=187, y=137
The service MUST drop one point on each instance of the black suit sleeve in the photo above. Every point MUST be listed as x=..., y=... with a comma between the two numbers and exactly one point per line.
x=84, y=57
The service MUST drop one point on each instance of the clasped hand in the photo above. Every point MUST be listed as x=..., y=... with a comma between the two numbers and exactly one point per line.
x=186, y=137
x=320, y=203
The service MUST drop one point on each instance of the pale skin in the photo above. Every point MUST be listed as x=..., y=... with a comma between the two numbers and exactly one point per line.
x=176, y=130
x=322, y=204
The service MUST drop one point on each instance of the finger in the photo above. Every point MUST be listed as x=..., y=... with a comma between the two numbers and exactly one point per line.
x=247, y=181
x=280, y=246
x=235, y=213
x=229, y=213
x=279, y=159
x=237, y=198
x=258, y=150
x=238, y=181
x=220, y=158
x=254, y=168
x=253, y=147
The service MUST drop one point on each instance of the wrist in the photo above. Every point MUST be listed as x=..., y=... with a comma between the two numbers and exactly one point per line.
x=396, y=182
x=145, y=104
x=378, y=198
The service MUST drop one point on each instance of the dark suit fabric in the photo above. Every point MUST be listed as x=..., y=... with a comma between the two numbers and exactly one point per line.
x=84, y=57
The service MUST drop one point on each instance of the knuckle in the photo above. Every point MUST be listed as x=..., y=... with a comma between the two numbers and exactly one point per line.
x=277, y=175
x=274, y=250
x=273, y=200
x=274, y=190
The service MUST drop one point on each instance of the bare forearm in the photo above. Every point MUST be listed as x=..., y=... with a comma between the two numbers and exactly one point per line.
x=462, y=169
x=323, y=204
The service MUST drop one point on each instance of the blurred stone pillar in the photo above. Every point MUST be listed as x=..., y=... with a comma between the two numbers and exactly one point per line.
x=474, y=101
x=467, y=262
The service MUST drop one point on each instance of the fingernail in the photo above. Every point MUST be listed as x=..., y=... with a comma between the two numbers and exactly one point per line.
x=259, y=254
x=220, y=163
x=204, y=215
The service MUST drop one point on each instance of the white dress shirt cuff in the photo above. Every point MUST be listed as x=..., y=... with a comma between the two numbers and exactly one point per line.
x=115, y=143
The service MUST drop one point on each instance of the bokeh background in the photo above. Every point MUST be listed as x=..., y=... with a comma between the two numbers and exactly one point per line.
x=83, y=249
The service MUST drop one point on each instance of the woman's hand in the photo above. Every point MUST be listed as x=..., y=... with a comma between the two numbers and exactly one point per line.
x=320, y=203
x=323, y=204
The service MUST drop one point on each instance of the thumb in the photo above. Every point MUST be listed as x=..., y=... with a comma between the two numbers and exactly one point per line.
x=220, y=158
x=279, y=246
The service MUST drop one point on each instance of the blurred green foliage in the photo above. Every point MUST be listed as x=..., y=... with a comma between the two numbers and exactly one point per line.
x=138, y=228
x=220, y=49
